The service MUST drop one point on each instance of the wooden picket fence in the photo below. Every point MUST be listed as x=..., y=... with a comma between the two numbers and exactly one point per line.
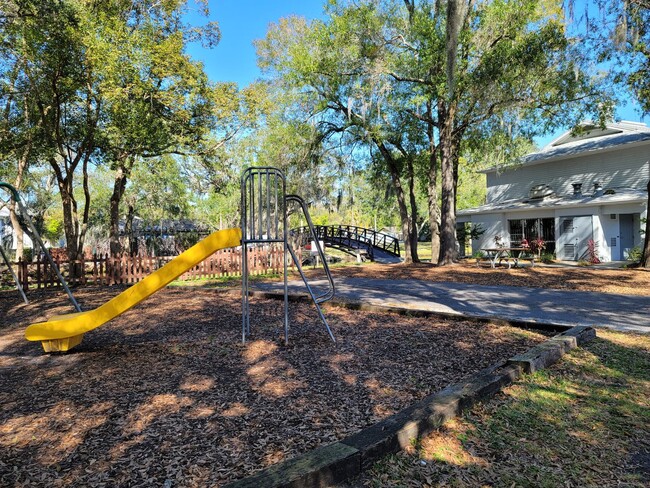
x=105, y=270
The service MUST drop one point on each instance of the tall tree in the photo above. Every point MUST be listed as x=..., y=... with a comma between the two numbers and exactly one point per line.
x=478, y=62
x=102, y=81
x=157, y=100
x=337, y=67
x=633, y=35
x=45, y=52
x=413, y=81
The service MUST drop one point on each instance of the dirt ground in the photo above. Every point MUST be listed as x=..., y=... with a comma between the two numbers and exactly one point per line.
x=166, y=395
x=623, y=281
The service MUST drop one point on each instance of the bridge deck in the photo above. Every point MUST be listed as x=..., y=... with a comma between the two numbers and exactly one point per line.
x=352, y=239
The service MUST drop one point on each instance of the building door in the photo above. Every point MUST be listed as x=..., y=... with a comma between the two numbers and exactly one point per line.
x=626, y=234
x=575, y=233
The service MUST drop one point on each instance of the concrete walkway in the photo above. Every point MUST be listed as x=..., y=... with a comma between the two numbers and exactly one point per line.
x=621, y=312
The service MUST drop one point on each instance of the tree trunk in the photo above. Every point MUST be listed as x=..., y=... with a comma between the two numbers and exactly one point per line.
x=70, y=223
x=432, y=191
x=18, y=230
x=128, y=231
x=448, y=211
x=119, y=185
x=74, y=232
x=406, y=223
x=645, y=260
x=413, y=235
x=18, y=183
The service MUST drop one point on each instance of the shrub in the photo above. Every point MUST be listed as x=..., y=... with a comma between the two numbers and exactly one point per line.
x=547, y=257
x=28, y=254
x=635, y=254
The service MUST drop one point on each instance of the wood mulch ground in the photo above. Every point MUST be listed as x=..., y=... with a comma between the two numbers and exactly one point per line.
x=624, y=281
x=166, y=395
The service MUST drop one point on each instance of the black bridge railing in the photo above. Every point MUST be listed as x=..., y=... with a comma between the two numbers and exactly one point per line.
x=351, y=237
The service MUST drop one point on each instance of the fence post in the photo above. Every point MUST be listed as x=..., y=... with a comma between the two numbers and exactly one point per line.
x=22, y=274
x=38, y=271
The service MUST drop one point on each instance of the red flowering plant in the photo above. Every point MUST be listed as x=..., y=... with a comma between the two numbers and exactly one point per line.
x=592, y=252
x=537, y=245
x=524, y=243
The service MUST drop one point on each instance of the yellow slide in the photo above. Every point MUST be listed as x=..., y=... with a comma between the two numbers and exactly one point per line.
x=63, y=332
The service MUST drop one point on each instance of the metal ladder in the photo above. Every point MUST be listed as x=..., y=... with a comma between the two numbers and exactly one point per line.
x=39, y=241
x=264, y=210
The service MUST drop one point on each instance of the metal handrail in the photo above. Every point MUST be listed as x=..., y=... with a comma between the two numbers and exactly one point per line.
x=30, y=224
x=346, y=241
x=331, y=291
x=373, y=238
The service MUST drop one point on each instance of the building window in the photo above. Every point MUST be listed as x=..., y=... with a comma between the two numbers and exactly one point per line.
x=515, y=228
x=567, y=225
x=530, y=229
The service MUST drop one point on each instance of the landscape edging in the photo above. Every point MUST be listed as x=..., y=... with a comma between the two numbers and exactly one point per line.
x=337, y=462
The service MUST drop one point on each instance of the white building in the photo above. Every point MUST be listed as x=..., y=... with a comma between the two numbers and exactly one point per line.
x=577, y=188
x=8, y=237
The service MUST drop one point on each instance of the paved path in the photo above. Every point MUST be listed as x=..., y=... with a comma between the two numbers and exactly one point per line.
x=621, y=312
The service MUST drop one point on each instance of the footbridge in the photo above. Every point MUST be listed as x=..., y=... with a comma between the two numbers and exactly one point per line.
x=353, y=240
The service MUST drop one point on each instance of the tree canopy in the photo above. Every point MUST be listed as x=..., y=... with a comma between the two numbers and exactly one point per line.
x=416, y=84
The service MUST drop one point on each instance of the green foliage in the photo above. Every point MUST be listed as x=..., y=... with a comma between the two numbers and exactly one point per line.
x=28, y=254
x=99, y=82
x=53, y=229
x=157, y=191
x=377, y=82
x=547, y=257
x=469, y=231
x=635, y=254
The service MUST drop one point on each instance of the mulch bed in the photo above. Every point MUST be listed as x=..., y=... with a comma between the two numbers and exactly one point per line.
x=166, y=395
x=633, y=281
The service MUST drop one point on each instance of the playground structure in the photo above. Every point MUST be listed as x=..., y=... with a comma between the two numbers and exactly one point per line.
x=264, y=208
x=354, y=240
x=36, y=237
x=265, y=211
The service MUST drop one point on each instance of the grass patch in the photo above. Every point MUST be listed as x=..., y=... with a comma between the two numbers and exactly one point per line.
x=583, y=422
x=221, y=282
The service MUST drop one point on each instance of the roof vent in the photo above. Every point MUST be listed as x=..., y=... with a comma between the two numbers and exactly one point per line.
x=598, y=190
x=539, y=192
x=577, y=190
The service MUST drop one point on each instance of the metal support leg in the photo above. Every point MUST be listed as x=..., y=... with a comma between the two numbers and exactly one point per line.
x=11, y=270
x=30, y=224
x=286, y=293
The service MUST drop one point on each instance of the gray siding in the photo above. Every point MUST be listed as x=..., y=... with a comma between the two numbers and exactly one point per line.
x=627, y=167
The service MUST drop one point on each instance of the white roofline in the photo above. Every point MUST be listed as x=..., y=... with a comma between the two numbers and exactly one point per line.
x=624, y=126
x=599, y=203
x=561, y=157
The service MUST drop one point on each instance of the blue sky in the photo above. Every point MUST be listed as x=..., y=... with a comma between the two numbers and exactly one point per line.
x=243, y=21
